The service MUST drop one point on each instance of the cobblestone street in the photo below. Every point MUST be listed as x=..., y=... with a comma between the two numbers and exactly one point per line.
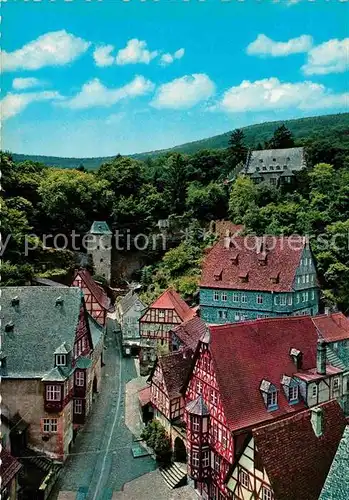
x=101, y=461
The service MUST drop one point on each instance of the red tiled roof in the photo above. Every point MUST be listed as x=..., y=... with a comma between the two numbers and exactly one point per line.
x=9, y=467
x=144, y=396
x=332, y=327
x=97, y=291
x=189, y=332
x=282, y=260
x=170, y=299
x=296, y=460
x=313, y=375
x=175, y=369
x=246, y=353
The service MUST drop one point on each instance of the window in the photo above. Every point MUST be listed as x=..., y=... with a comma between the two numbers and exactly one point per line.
x=235, y=297
x=336, y=383
x=298, y=280
x=49, y=425
x=77, y=406
x=60, y=359
x=217, y=462
x=224, y=439
x=313, y=295
x=243, y=298
x=195, y=459
x=283, y=300
x=289, y=300
x=314, y=391
x=161, y=314
x=307, y=296
x=195, y=424
x=293, y=393
x=243, y=476
x=298, y=298
x=216, y=296
x=276, y=300
x=303, y=297
x=53, y=392
x=272, y=398
x=214, y=397
x=79, y=379
x=237, y=317
x=222, y=314
x=266, y=493
x=224, y=297
x=259, y=298
x=205, y=458
x=307, y=278
x=199, y=387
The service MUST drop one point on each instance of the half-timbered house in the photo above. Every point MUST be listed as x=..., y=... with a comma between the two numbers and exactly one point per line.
x=168, y=310
x=47, y=363
x=249, y=374
x=97, y=301
x=187, y=334
x=288, y=459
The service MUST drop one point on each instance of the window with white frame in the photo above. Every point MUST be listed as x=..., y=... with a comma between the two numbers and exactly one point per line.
x=216, y=295
x=222, y=314
x=272, y=398
x=276, y=300
x=224, y=296
x=49, y=425
x=266, y=493
x=303, y=297
x=298, y=298
x=314, y=391
x=237, y=317
x=235, y=297
x=243, y=298
x=199, y=386
x=313, y=295
x=195, y=423
x=224, y=439
x=53, y=392
x=283, y=300
x=79, y=378
x=290, y=300
x=244, y=480
x=307, y=278
x=61, y=359
x=77, y=406
x=195, y=459
x=336, y=383
x=259, y=299
x=306, y=296
x=205, y=458
x=298, y=280
x=293, y=393
x=214, y=397
x=161, y=314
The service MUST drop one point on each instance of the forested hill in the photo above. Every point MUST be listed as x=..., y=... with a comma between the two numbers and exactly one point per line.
x=333, y=128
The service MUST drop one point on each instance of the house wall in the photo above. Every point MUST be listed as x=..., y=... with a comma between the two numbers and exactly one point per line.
x=27, y=398
x=130, y=324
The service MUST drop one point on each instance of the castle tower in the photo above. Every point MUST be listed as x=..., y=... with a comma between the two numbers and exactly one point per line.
x=197, y=418
x=100, y=249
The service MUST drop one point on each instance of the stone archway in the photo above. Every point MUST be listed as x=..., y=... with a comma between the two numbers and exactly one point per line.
x=180, y=452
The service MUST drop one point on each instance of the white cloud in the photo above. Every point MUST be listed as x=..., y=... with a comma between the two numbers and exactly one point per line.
x=52, y=49
x=13, y=104
x=26, y=83
x=136, y=51
x=168, y=58
x=329, y=57
x=102, y=55
x=270, y=93
x=94, y=93
x=184, y=92
x=265, y=46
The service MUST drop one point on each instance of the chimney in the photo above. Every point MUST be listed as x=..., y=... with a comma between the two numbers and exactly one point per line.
x=327, y=311
x=317, y=421
x=296, y=356
x=59, y=301
x=321, y=357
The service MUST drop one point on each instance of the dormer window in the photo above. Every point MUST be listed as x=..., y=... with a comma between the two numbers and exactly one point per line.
x=218, y=274
x=269, y=394
x=243, y=276
x=234, y=259
x=275, y=277
x=262, y=258
x=15, y=301
x=61, y=359
x=291, y=389
x=59, y=301
x=9, y=327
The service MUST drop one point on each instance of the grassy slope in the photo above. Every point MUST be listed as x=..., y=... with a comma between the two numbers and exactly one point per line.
x=335, y=127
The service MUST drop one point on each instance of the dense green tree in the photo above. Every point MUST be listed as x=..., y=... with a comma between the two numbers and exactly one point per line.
x=281, y=139
x=237, y=149
x=207, y=202
x=242, y=198
x=176, y=178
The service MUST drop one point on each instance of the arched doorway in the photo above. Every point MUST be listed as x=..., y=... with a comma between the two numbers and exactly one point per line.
x=180, y=452
x=94, y=386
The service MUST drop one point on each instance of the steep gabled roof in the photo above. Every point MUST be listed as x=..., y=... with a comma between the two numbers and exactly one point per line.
x=175, y=368
x=44, y=319
x=336, y=487
x=129, y=300
x=257, y=262
x=295, y=459
x=190, y=332
x=243, y=354
x=332, y=327
x=291, y=158
x=100, y=227
x=170, y=299
x=96, y=290
x=9, y=467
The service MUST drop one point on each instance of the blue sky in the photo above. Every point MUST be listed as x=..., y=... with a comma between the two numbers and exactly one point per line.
x=99, y=78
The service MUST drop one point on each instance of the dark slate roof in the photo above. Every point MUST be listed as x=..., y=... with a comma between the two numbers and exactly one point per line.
x=291, y=159
x=190, y=332
x=296, y=460
x=100, y=227
x=129, y=300
x=9, y=467
x=39, y=327
x=197, y=407
x=337, y=483
x=96, y=330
